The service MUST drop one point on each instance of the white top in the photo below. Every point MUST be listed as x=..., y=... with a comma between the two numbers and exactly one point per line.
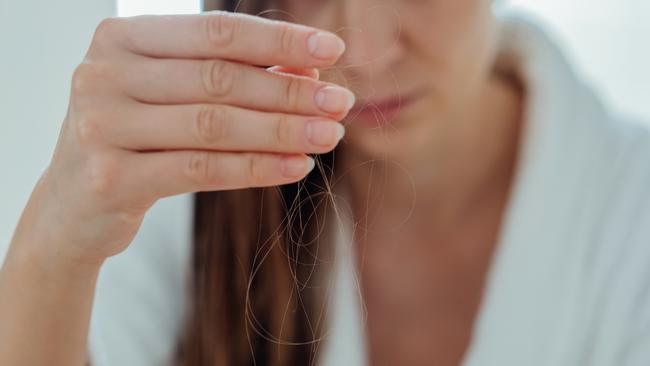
x=570, y=279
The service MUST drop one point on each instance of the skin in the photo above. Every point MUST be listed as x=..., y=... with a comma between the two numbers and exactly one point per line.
x=423, y=264
x=125, y=143
x=156, y=110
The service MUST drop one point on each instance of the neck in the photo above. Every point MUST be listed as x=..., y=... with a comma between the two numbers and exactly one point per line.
x=470, y=163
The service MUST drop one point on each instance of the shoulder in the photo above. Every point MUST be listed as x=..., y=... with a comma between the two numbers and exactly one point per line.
x=140, y=295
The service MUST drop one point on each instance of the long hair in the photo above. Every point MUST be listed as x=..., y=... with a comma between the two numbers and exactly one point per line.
x=255, y=292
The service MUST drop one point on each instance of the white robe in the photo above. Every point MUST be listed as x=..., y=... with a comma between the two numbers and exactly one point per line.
x=570, y=278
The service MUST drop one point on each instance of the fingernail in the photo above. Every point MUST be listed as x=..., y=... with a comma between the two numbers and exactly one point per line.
x=324, y=132
x=297, y=166
x=325, y=45
x=334, y=99
x=310, y=164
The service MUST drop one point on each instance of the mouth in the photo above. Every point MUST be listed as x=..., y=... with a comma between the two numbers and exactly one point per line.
x=380, y=112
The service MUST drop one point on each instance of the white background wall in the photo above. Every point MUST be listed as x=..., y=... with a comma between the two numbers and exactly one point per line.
x=609, y=40
x=136, y=7
x=42, y=41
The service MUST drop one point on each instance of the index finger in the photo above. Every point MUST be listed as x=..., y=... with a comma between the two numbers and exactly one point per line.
x=232, y=36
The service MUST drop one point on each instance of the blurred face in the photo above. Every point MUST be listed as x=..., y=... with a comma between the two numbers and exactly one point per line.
x=414, y=65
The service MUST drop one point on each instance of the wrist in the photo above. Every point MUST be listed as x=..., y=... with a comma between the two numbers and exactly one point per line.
x=38, y=245
x=38, y=255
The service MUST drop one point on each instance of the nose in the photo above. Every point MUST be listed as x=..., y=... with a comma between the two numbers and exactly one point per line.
x=372, y=31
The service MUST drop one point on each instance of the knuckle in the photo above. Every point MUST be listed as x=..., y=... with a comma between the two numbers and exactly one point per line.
x=221, y=27
x=89, y=77
x=218, y=78
x=103, y=176
x=293, y=92
x=105, y=30
x=84, y=77
x=282, y=130
x=88, y=128
x=212, y=125
x=255, y=171
x=285, y=39
x=199, y=169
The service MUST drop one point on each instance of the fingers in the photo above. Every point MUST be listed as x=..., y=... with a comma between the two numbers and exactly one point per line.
x=170, y=173
x=233, y=36
x=220, y=128
x=217, y=81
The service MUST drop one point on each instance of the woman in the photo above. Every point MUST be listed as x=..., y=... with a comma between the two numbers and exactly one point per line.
x=488, y=210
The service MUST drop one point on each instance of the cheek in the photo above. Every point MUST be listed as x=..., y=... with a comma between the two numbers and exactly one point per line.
x=452, y=40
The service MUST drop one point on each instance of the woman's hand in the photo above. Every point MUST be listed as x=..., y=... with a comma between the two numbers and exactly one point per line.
x=164, y=105
x=160, y=106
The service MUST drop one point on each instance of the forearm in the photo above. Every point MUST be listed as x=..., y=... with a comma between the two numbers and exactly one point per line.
x=45, y=307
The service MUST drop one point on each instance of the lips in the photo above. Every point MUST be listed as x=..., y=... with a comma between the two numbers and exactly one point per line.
x=380, y=112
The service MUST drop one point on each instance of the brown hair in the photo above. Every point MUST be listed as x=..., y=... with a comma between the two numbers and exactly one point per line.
x=255, y=296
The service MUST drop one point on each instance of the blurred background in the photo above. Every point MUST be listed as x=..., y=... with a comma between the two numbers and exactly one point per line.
x=43, y=41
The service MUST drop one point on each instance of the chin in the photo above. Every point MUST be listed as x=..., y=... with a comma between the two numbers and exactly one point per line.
x=401, y=139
